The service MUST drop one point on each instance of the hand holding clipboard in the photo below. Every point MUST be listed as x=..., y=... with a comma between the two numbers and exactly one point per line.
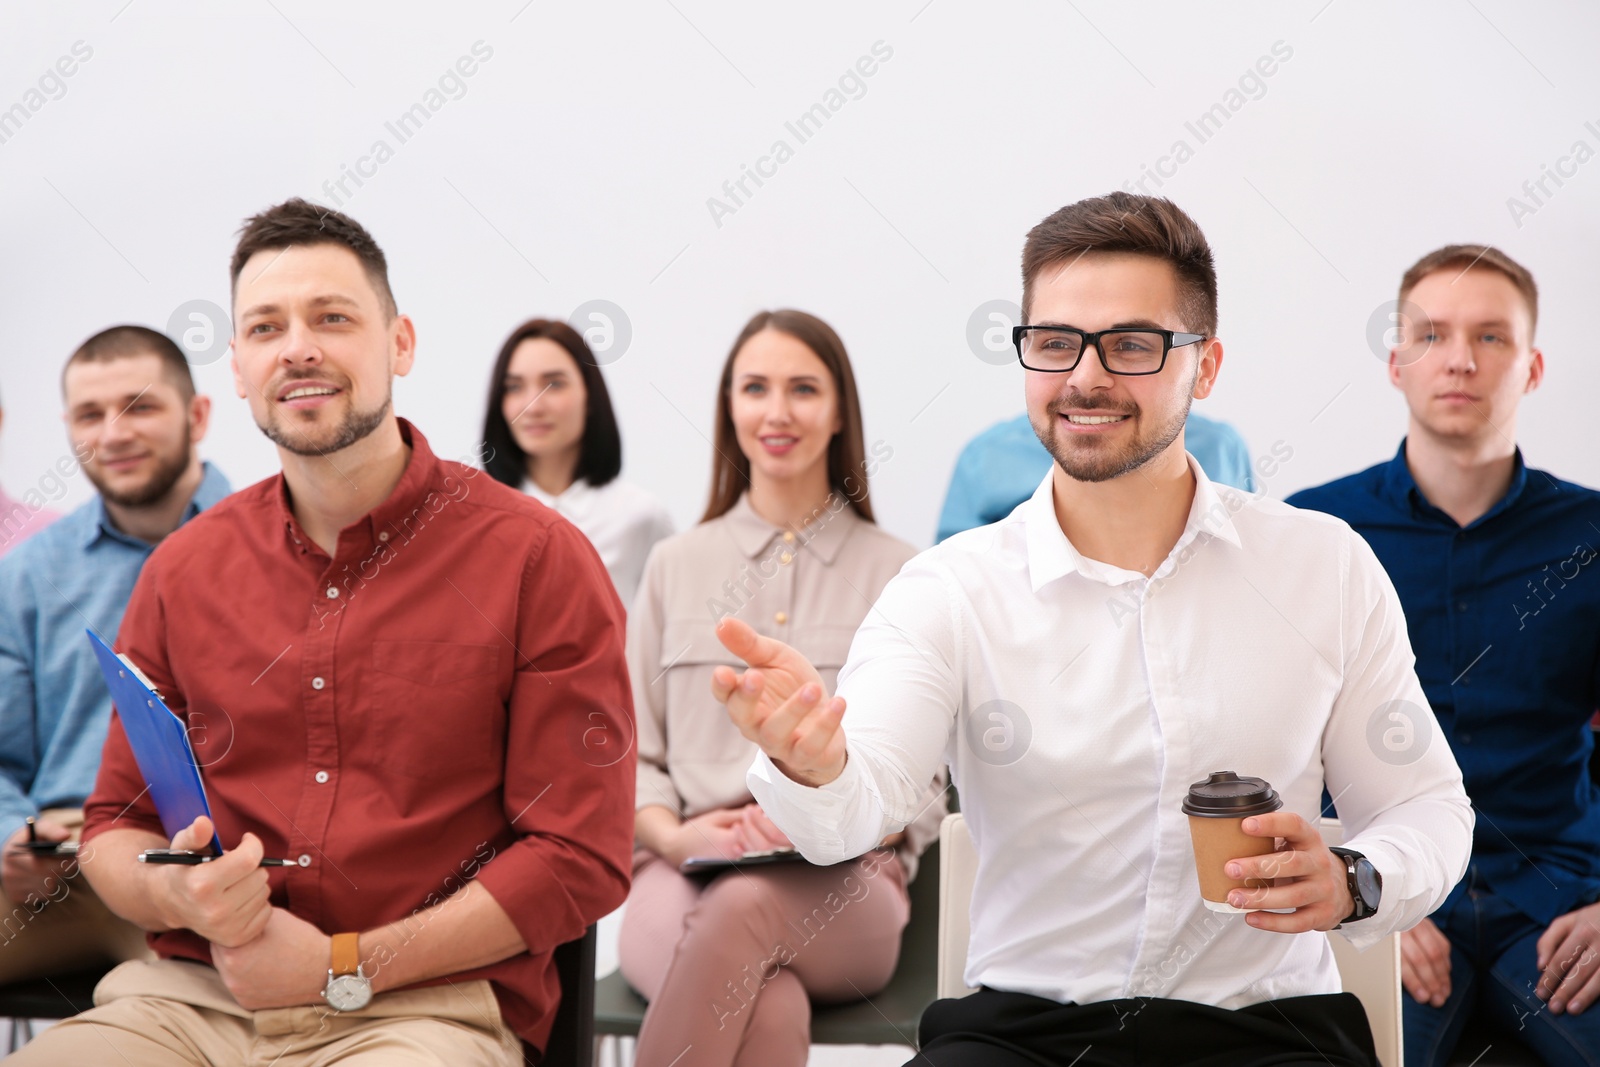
x=224, y=898
x=161, y=748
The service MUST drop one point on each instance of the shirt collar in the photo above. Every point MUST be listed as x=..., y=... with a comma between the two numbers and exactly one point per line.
x=1052, y=556
x=212, y=488
x=573, y=496
x=1401, y=489
x=422, y=492
x=824, y=535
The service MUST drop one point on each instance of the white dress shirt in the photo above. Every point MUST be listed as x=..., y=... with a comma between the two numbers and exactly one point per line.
x=1075, y=702
x=621, y=520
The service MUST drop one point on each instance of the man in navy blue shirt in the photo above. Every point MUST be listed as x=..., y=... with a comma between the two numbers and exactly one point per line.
x=1495, y=564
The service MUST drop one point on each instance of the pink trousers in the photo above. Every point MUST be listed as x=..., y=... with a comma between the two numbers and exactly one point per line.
x=730, y=966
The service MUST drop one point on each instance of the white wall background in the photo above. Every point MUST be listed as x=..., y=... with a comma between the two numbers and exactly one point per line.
x=577, y=164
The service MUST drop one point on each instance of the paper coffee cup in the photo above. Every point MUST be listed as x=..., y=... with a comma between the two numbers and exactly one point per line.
x=1217, y=808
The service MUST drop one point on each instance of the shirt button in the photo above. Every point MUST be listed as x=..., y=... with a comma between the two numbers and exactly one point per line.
x=780, y=618
x=785, y=558
x=317, y=683
x=1461, y=605
x=322, y=777
x=1465, y=739
x=788, y=535
x=383, y=535
x=304, y=860
x=333, y=593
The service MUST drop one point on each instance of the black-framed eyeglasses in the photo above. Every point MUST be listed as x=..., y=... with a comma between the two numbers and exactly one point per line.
x=1058, y=349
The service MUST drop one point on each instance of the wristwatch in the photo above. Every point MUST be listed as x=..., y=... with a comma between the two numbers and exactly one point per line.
x=1366, y=884
x=348, y=988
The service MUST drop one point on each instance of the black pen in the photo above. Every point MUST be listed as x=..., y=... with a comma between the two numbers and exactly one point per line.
x=40, y=848
x=191, y=859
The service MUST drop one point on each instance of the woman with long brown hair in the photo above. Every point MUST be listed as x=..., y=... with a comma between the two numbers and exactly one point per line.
x=730, y=961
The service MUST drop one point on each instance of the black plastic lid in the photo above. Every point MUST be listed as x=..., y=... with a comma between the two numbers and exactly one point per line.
x=1225, y=795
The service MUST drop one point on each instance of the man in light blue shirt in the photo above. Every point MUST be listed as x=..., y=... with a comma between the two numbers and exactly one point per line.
x=133, y=422
x=1003, y=465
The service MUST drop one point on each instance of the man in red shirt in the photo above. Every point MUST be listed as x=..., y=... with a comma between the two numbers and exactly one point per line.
x=408, y=679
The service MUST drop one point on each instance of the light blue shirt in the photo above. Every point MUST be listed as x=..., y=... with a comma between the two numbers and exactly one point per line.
x=54, y=709
x=1003, y=465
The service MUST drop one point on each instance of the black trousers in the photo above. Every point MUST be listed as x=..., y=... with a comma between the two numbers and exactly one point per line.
x=991, y=1028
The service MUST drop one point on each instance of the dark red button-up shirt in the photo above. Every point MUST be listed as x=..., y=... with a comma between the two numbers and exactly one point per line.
x=446, y=698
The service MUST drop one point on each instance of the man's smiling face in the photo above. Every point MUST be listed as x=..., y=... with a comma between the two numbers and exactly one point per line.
x=1099, y=425
x=314, y=349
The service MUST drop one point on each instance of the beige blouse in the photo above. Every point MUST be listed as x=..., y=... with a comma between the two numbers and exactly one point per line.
x=808, y=587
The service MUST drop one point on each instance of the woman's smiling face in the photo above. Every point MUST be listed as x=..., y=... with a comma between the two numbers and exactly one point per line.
x=785, y=406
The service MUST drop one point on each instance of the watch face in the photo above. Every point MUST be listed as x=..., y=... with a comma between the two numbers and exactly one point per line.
x=348, y=992
x=1369, y=882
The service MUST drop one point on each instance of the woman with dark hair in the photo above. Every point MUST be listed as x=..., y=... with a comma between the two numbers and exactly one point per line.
x=550, y=432
x=788, y=544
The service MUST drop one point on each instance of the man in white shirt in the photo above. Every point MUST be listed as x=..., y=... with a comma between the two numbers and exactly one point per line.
x=1129, y=630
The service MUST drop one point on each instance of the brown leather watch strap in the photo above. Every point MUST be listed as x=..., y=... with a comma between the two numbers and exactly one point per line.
x=346, y=953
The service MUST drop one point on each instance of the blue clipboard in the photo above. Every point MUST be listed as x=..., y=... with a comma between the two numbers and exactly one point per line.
x=159, y=741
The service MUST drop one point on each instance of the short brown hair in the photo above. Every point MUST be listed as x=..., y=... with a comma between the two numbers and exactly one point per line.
x=1465, y=257
x=297, y=222
x=124, y=342
x=847, y=460
x=1127, y=222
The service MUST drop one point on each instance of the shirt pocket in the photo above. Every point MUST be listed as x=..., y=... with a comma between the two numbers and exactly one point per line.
x=698, y=728
x=436, y=709
x=827, y=647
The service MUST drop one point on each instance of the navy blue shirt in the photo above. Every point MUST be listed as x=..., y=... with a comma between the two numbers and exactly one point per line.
x=1504, y=616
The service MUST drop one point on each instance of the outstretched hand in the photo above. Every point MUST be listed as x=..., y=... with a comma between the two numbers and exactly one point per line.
x=779, y=704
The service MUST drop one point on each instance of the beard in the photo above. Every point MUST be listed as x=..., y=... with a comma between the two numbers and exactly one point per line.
x=170, y=466
x=352, y=428
x=1091, y=460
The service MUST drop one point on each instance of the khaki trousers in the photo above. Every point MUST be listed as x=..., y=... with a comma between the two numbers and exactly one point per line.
x=72, y=931
x=156, y=1013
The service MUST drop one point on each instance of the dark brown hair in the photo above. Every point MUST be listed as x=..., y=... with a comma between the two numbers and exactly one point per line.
x=123, y=342
x=847, y=471
x=1126, y=222
x=297, y=222
x=599, y=450
x=1487, y=257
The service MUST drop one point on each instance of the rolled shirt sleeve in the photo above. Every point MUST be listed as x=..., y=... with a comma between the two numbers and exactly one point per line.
x=569, y=772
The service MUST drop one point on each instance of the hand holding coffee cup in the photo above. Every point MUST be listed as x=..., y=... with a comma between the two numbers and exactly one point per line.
x=1290, y=888
x=1217, y=808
